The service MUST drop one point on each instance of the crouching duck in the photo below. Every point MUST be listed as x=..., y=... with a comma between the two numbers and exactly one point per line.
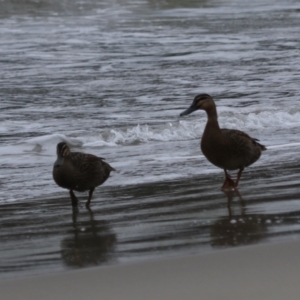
x=80, y=172
x=227, y=149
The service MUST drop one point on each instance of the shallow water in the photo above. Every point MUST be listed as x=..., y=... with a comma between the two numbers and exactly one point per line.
x=110, y=78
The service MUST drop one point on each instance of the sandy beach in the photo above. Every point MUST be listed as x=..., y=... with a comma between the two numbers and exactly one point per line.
x=149, y=221
x=269, y=272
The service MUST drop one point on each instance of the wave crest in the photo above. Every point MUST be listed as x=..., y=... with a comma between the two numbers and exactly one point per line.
x=146, y=133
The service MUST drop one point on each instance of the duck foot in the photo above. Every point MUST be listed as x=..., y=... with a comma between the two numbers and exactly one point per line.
x=228, y=184
x=73, y=199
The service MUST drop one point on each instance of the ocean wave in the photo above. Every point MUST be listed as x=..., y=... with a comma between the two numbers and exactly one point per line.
x=260, y=120
x=179, y=130
x=114, y=137
x=146, y=133
x=54, y=138
x=193, y=129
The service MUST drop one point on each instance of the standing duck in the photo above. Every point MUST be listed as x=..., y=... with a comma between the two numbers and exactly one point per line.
x=79, y=171
x=228, y=149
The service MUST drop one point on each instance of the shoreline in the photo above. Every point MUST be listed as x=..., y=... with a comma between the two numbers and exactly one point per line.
x=147, y=222
x=268, y=271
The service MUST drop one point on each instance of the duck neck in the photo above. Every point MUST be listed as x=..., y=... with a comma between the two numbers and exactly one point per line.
x=59, y=161
x=212, y=118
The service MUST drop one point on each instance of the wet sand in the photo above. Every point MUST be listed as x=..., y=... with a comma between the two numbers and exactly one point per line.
x=256, y=272
x=149, y=221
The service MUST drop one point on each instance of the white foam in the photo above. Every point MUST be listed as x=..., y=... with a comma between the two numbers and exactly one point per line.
x=188, y=128
x=54, y=138
x=146, y=133
x=192, y=128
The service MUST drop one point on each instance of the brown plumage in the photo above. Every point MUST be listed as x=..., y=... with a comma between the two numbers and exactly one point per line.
x=228, y=149
x=80, y=172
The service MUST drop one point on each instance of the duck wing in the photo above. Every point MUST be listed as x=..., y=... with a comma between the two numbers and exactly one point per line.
x=238, y=137
x=240, y=149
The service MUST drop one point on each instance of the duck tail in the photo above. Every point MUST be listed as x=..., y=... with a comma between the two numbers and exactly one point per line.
x=262, y=147
x=112, y=169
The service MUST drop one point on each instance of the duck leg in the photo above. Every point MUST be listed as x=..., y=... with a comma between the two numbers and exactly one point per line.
x=239, y=176
x=228, y=184
x=90, y=197
x=73, y=199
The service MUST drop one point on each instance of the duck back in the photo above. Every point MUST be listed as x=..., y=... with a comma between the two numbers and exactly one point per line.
x=230, y=149
x=81, y=172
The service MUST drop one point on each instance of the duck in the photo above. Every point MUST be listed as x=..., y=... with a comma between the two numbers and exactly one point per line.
x=79, y=172
x=228, y=149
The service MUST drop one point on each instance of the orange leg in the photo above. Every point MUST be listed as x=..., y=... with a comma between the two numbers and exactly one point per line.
x=239, y=177
x=228, y=184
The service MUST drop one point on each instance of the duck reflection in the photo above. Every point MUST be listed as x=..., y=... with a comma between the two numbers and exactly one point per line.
x=90, y=242
x=237, y=228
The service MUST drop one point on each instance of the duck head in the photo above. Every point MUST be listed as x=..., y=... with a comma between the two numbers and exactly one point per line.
x=62, y=151
x=201, y=101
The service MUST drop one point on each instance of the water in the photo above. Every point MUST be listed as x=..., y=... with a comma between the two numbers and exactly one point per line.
x=110, y=78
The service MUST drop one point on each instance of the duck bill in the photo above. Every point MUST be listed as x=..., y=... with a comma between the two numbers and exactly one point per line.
x=188, y=111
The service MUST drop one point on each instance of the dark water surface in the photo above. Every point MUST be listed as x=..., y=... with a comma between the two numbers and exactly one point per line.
x=110, y=78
